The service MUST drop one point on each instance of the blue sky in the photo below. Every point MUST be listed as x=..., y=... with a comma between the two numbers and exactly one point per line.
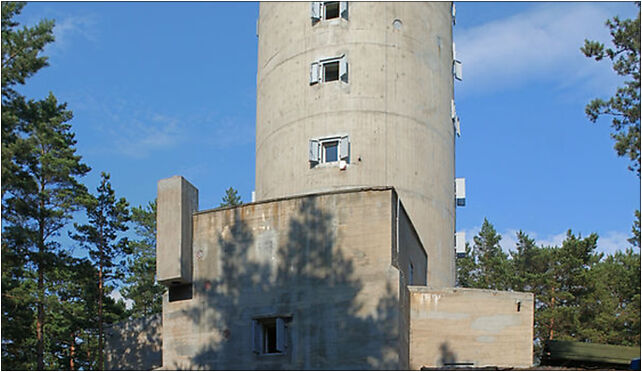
x=163, y=89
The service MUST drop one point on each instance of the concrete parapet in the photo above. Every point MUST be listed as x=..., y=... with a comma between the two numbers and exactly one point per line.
x=470, y=327
x=177, y=201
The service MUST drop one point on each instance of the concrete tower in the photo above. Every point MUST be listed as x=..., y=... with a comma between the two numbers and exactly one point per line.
x=361, y=95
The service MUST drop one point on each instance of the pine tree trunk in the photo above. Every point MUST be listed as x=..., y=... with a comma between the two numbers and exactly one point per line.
x=41, y=320
x=40, y=336
x=100, y=313
x=72, y=351
x=552, y=324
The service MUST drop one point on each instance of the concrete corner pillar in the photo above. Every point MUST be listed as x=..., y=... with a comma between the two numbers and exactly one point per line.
x=177, y=201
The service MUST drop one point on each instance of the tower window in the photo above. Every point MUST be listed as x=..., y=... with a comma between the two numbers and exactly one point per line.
x=329, y=150
x=331, y=9
x=329, y=69
x=325, y=10
x=268, y=335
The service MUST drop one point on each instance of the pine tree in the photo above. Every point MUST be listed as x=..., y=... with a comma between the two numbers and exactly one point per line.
x=21, y=59
x=610, y=313
x=493, y=267
x=467, y=270
x=231, y=198
x=141, y=286
x=624, y=107
x=39, y=203
x=107, y=220
x=635, y=230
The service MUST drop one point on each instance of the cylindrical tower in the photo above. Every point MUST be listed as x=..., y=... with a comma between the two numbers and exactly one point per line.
x=360, y=94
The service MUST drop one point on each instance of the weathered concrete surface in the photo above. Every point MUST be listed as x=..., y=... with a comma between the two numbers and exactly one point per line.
x=134, y=344
x=325, y=261
x=177, y=200
x=395, y=107
x=462, y=325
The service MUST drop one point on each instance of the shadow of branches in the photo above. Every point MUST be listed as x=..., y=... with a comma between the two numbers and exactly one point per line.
x=303, y=275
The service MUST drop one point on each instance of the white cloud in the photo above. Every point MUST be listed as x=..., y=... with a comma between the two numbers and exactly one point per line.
x=68, y=28
x=139, y=135
x=607, y=243
x=115, y=294
x=613, y=241
x=540, y=44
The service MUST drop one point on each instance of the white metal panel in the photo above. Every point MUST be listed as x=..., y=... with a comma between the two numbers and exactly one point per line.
x=343, y=69
x=460, y=191
x=314, y=72
x=454, y=52
x=460, y=242
x=344, y=148
x=453, y=112
x=343, y=9
x=315, y=11
x=457, y=70
x=314, y=151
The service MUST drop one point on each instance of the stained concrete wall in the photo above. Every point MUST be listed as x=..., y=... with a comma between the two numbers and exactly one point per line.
x=325, y=261
x=462, y=325
x=395, y=107
x=134, y=344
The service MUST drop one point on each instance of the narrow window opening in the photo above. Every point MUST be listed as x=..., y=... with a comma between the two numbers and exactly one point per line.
x=519, y=306
x=331, y=9
x=331, y=71
x=269, y=337
x=410, y=273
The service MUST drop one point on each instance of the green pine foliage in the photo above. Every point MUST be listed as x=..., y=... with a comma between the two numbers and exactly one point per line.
x=485, y=264
x=580, y=295
x=21, y=48
x=41, y=198
x=231, y=198
x=141, y=286
x=624, y=107
x=102, y=237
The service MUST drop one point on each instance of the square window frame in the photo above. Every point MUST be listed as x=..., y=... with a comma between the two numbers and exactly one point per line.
x=325, y=9
x=325, y=65
x=330, y=139
x=270, y=322
x=325, y=143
